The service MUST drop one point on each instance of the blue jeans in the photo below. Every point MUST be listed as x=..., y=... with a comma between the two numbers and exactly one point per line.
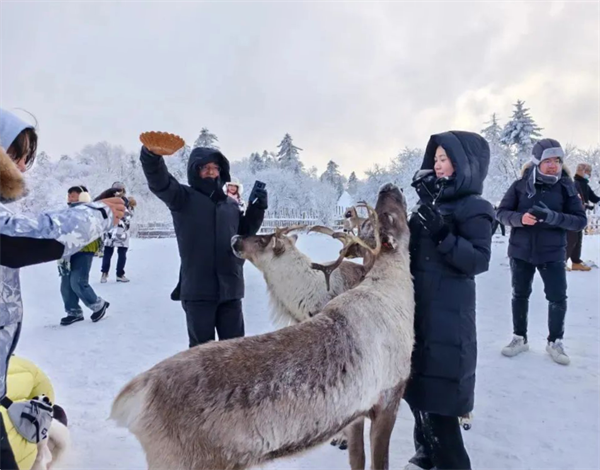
x=75, y=286
x=121, y=259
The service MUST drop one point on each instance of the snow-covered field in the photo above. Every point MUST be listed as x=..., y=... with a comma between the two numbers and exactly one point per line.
x=530, y=413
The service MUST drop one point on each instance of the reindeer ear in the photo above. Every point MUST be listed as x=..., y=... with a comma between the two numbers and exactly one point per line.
x=278, y=246
x=293, y=238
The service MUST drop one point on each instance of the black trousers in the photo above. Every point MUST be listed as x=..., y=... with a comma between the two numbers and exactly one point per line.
x=555, y=287
x=121, y=259
x=7, y=458
x=438, y=442
x=205, y=316
x=574, y=241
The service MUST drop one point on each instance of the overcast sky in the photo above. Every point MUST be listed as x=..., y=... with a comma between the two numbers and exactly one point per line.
x=352, y=82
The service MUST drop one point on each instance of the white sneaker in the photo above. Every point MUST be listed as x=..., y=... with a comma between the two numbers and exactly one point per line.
x=122, y=279
x=557, y=352
x=516, y=346
x=104, y=278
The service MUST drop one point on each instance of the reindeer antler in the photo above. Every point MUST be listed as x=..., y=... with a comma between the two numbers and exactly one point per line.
x=348, y=240
x=284, y=231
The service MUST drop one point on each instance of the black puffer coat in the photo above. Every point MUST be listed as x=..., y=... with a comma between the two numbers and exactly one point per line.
x=445, y=354
x=541, y=243
x=204, y=225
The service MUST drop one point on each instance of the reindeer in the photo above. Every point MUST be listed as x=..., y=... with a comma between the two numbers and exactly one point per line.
x=242, y=402
x=352, y=221
x=296, y=290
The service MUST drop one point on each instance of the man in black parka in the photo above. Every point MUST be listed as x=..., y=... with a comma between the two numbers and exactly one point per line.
x=211, y=279
x=541, y=207
x=450, y=244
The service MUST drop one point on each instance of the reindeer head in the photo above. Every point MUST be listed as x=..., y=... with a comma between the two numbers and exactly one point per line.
x=259, y=249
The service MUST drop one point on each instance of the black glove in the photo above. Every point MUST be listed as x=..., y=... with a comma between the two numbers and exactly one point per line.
x=259, y=198
x=543, y=214
x=432, y=220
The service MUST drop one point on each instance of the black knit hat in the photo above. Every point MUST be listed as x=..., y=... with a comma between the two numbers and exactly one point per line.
x=546, y=148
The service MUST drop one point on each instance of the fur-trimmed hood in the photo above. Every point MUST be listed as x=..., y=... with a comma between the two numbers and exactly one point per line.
x=525, y=170
x=12, y=184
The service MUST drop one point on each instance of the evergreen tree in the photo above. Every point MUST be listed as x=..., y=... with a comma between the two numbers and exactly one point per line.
x=352, y=184
x=333, y=177
x=256, y=162
x=206, y=139
x=288, y=155
x=520, y=133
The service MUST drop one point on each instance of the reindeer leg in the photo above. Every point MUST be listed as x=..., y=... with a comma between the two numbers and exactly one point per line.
x=383, y=418
x=356, y=444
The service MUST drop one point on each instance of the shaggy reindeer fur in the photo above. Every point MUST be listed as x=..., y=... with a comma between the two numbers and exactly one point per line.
x=234, y=404
x=296, y=291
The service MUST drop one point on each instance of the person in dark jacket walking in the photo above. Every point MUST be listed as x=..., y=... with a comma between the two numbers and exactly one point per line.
x=589, y=198
x=211, y=280
x=540, y=207
x=451, y=236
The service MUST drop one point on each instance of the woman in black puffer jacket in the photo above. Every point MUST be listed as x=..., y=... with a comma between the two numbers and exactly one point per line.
x=451, y=232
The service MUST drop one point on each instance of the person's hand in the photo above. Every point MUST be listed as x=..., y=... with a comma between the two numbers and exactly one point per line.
x=431, y=218
x=117, y=207
x=259, y=198
x=161, y=143
x=32, y=418
x=543, y=213
x=528, y=219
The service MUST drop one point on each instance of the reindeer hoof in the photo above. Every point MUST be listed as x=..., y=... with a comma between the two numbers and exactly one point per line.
x=342, y=444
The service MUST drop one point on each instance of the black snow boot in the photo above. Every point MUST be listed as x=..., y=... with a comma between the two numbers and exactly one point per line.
x=70, y=319
x=99, y=314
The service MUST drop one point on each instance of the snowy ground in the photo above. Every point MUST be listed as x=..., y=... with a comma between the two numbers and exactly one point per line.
x=530, y=413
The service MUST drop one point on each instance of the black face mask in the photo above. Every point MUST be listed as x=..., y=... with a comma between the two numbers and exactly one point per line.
x=212, y=187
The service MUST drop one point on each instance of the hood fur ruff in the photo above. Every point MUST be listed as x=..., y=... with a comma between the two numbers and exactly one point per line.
x=12, y=184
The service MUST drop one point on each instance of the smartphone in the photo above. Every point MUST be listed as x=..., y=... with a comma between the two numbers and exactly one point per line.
x=257, y=185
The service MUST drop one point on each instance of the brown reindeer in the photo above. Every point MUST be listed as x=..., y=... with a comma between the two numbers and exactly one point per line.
x=352, y=221
x=242, y=402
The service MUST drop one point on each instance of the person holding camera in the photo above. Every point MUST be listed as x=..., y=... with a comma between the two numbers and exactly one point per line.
x=541, y=207
x=211, y=279
x=450, y=243
x=118, y=237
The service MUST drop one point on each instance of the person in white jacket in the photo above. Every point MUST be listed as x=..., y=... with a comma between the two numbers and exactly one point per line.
x=26, y=241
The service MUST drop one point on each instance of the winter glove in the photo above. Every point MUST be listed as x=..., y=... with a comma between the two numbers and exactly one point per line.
x=259, y=198
x=543, y=214
x=31, y=418
x=431, y=218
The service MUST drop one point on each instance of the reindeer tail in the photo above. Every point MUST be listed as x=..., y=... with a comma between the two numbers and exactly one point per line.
x=128, y=405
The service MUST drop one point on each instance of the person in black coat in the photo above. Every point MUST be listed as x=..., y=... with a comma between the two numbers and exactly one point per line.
x=541, y=207
x=211, y=279
x=589, y=198
x=451, y=235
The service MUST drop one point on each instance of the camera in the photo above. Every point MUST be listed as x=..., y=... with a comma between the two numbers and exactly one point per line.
x=424, y=183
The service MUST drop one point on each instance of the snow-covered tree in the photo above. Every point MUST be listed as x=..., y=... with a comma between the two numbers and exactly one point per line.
x=504, y=165
x=333, y=177
x=352, y=184
x=256, y=162
x=521, y=132
x=288, y=155
x=206, y=139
